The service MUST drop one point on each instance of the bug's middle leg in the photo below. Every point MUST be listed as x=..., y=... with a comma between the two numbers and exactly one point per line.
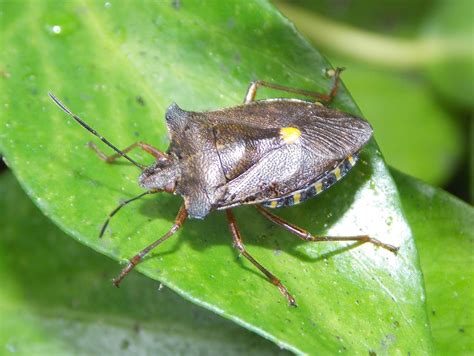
x=305, y=235
x=144, y=146
x=239, y=245
x=327, y=98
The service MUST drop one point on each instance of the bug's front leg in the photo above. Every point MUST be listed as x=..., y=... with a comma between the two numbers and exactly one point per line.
x=179, y=221
x=327, y=98
x=144, y=146
x=239, y=245
x=305, y=235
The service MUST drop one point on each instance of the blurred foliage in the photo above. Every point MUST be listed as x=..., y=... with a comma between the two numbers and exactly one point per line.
x=453, y=74
x=388, y=16
x=410, y=67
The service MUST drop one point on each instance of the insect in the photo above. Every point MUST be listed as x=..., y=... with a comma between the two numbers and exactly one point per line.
x=270, y=153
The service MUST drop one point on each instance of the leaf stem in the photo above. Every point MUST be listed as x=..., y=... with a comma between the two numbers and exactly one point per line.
x=373, y=47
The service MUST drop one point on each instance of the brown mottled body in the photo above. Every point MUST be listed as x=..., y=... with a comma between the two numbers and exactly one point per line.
x=274, y=152
x=237, y=155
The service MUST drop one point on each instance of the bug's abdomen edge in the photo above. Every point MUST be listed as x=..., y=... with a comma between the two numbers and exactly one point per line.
x=323, y=182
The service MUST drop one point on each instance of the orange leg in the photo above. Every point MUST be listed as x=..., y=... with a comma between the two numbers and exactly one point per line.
x=327, y=98
x=179, y=221
x=239, y=245
x=305, y=235
x=144, y=146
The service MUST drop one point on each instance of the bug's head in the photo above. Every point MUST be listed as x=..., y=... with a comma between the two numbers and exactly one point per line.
x=161, y=175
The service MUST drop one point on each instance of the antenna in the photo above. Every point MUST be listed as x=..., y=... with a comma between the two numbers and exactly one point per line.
x=94, y=132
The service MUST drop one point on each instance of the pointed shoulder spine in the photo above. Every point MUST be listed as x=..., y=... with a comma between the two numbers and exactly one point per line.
x=176, y=118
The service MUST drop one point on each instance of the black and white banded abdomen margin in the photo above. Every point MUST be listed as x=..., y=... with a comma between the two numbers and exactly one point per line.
x=322, y=183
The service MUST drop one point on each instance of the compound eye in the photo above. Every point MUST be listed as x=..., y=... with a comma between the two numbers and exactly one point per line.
x=169, y=188
x=162, y=163
x=163, y=160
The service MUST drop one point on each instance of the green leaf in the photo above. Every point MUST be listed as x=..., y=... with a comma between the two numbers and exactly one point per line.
x=119, y=65
x=56, y=299
x=442, y=226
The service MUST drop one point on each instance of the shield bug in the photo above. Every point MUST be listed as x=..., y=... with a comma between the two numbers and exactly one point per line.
x=270, y=153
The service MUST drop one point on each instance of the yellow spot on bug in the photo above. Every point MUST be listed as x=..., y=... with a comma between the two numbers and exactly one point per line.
x=273, y=204
x=297, y=198
x=290, y=134
x=319, y=187
x=351, y=160
x=337, y=173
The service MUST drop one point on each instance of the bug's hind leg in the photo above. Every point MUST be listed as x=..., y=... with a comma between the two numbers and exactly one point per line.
x=179, y=221
x=327, y=98
x=305, y=235
x=335, y=85
x=239, y=245
x=144, y=146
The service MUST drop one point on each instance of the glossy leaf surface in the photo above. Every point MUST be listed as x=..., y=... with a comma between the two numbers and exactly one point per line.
x=119, y=65
x=442, y=225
